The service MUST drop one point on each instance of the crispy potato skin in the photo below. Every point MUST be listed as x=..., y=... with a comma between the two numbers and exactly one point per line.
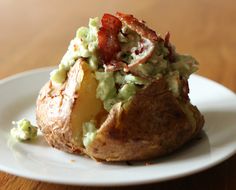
x=152, y=124
x=54, y=108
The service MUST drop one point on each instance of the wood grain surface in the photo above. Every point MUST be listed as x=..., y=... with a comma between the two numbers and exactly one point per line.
x=36, y=33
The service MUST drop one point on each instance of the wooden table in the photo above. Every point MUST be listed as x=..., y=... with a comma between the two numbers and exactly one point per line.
x=36, y=34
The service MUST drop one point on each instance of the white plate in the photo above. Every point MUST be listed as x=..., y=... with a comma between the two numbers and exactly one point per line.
x=38, y=161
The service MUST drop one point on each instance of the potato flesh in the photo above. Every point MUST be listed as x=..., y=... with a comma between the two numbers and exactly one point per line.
x=86, y=106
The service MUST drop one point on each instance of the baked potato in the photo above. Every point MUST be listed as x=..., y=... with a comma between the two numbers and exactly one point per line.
x=142, y=114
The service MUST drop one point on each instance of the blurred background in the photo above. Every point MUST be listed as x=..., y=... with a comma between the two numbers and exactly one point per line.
x=36, y=33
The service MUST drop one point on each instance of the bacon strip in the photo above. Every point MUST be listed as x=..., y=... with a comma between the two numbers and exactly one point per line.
x=111, y=23
x=109, y=46
x=116, y=65
x=137, y=26
x=108, y=42
x=171, y=56
x=167, y=39
x=146, y=47
x=147, y=43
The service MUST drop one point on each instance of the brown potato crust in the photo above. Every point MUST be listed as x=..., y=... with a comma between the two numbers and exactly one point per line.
x=153, y=124
x=54, y=112
x=60, y=109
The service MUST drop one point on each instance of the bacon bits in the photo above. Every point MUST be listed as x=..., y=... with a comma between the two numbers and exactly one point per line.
x=116, y=65
x=108, y=42
x=147, y=43
x=138, y=26
x=171, y=56
x=144, y=52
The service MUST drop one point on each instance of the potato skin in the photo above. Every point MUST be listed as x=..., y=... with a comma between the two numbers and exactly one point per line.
x=152, y=125
x=54, y=112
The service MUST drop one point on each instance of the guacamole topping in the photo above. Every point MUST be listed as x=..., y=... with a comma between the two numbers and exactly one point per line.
x=83, y=45
x=125, y=56
x=89, y=132
x=23, y=130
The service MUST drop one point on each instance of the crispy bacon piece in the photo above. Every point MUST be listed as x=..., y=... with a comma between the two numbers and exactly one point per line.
x=171, y=56
x=109, y=46
x=108, y=42
x=138, y=26
x=111, y=23
x=147, y=43
x=167, y=39
x=144, y=51
x=116, y=65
